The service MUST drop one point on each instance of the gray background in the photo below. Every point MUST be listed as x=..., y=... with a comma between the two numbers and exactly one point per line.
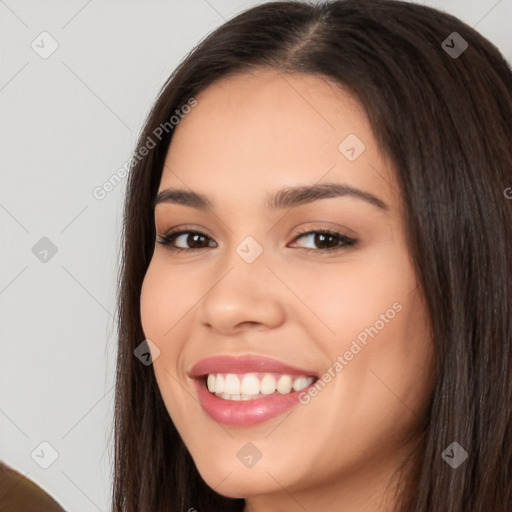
x=68, y=122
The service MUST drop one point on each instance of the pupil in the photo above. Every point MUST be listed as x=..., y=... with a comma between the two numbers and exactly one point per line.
x=194, y=237
x=322, y=237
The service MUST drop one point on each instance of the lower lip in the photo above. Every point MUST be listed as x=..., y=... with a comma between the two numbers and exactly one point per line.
x=245, y=412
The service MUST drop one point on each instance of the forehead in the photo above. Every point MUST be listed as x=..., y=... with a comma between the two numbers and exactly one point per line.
x=264, y=130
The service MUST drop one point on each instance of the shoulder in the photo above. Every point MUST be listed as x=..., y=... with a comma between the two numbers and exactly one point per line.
x=19, y=494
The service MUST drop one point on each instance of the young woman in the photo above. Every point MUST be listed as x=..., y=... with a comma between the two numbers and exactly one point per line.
x=317, y=262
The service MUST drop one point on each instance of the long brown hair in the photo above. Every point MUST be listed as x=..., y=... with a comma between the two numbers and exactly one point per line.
x=445, y=121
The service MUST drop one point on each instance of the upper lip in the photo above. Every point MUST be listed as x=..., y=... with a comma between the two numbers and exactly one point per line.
x=244, y=364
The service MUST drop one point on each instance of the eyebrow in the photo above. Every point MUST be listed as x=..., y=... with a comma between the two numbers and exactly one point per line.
x=289, y=197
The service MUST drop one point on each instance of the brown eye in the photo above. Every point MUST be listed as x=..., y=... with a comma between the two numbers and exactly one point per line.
x=192, y=239
x=326, y=241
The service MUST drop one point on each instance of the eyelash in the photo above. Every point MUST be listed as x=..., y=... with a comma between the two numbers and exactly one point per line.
x=344, y=240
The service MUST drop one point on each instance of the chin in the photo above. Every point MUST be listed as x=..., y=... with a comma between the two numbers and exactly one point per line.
x=239, y=483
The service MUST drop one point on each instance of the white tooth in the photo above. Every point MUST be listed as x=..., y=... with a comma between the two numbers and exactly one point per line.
x=250, y=385
x=301, y=383
x=231, y=384
x=235, y=397
x=219, y=384
x=211, y=383
x=246, y=397
x=284, y=384
x=224, y=396
x=268, y=384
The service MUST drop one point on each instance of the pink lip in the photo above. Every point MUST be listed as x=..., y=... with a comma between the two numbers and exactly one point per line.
x=245, y=364
x=240, y=412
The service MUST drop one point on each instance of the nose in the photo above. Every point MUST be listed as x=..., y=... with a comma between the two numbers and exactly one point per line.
x=243, y=295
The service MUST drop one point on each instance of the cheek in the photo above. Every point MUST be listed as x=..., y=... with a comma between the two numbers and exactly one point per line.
x=163, y=304
x=164, y=295
x=373, y=316
x=168, y=299
x=151, y=298
x=351, y=295
x=161, y=307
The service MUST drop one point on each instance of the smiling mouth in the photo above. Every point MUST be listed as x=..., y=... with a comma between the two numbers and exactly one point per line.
x=247, y=390
x=254, y=385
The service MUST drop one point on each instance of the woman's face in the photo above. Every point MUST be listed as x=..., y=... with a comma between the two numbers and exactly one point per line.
x=258, y=302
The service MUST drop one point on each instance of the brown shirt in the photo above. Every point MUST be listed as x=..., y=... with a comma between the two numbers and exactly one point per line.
x=19, y=494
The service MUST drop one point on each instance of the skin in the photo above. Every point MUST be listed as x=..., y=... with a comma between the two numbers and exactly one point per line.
x=250, y=136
